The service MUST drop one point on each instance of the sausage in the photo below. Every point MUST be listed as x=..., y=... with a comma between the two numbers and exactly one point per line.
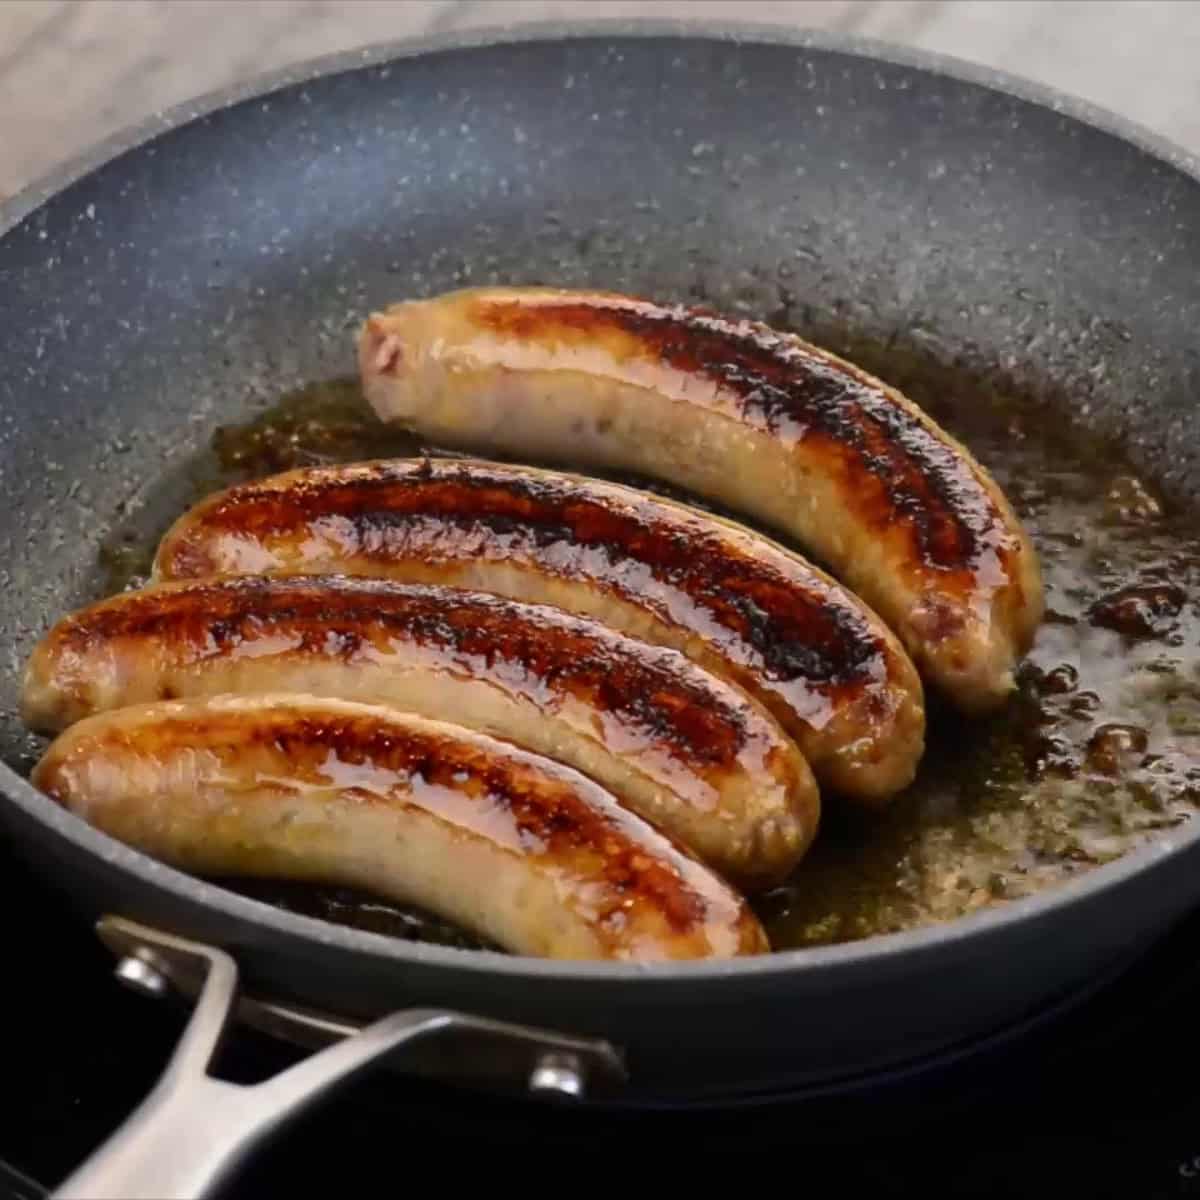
x=688, y=751
x=741, y=414
x=519, y=850
x=735, y=602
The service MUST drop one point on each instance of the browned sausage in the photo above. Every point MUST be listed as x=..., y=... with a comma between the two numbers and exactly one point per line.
x=737, y=603
x=757, y=420
x=688, y=751
x=519, y=850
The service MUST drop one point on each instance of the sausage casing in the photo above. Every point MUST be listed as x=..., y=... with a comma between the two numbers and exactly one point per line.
x=758, y=420
x=735, y=602
x=519, y=850
x=688, y=751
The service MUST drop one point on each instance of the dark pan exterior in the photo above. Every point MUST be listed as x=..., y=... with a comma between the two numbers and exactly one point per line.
x=147, y=297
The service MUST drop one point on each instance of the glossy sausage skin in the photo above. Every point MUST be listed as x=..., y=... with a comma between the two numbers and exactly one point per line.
x=757, y=420
x=686, y=750
x=519, y=850
x=737, y=603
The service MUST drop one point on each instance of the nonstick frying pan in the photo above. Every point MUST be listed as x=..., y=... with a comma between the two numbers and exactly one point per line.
x=178, y=276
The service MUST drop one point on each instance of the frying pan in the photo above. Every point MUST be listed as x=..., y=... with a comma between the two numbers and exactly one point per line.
x=178, y=277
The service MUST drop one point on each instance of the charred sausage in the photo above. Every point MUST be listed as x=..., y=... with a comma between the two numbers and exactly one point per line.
x=758, y=420
x=521, y=851
x=735, y=602
x=688, y=751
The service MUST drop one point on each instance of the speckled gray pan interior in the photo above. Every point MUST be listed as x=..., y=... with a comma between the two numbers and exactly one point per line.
x=215, y=261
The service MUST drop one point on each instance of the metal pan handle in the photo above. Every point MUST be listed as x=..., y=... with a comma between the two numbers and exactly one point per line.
x=193, y=1131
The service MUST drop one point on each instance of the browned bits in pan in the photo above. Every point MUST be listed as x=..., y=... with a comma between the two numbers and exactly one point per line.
x=1142, y=611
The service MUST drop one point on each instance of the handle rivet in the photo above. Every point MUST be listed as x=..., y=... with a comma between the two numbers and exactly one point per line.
x=557, y=1074
x=141, y=975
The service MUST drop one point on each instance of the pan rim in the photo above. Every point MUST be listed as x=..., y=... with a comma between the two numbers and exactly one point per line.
x=137, y=134
x=866, y=953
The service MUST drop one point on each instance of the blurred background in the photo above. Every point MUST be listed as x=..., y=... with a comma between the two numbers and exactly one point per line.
x=72, y=71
